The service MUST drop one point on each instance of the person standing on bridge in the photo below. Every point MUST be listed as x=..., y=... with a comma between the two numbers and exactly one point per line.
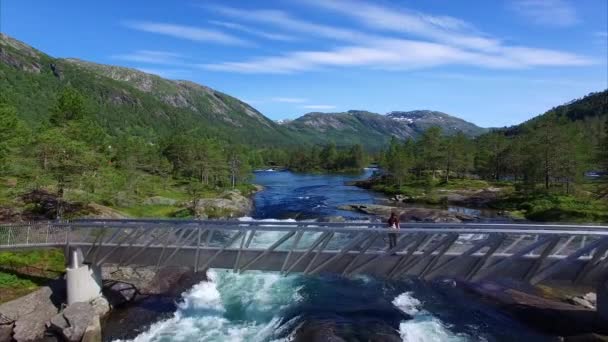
x=393, y=226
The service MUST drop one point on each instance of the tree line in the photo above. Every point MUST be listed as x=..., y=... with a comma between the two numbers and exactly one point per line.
x=71, y=150
x=550, y=153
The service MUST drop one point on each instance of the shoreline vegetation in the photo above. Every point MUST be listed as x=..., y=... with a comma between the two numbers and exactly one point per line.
x=504, y=197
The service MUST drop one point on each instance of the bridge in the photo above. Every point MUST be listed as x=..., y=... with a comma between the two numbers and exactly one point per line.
x=534, y=253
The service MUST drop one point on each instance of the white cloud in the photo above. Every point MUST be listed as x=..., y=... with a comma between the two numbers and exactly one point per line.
x=188, y=32
x=150, y=56
x=444, y=41
x=547, y=12
x=319, y=107
x=448, y=30
x=400, y=54
x=252, y=31
x=287, y=22
x=289, y=99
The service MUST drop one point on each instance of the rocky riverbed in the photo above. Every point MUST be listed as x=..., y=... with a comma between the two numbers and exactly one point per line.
x=411, y=214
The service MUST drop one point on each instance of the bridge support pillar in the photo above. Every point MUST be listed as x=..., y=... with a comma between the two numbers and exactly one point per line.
x=83, y=282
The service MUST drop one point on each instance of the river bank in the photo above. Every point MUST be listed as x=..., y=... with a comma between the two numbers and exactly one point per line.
x=502, y=197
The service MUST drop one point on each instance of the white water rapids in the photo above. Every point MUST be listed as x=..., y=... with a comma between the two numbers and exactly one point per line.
x=246, y=307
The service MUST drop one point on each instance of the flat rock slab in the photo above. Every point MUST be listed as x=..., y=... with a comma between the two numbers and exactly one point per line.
x=547, y=315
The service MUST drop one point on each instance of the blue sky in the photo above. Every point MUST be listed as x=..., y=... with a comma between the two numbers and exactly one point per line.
x=493, y=62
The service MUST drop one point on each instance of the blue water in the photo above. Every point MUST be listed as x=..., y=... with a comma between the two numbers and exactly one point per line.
x=308, y=196
x=264, y=306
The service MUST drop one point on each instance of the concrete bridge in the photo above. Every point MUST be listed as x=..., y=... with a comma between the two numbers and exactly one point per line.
x=575, y=254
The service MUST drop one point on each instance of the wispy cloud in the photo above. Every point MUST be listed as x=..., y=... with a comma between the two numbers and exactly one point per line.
x=547, y=12
x=319, y=107
x=288, y=99
x=150, y=56
x=442, y=40
x=253, y=31
x=287, y=22
x=445, y=29
x=400, y=54
x=187, y=32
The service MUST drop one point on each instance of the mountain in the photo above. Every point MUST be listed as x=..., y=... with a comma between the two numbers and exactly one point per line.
x=127, y=100
x=124, y=99
x=590, y=112
x=375, y=130
x=421, y=120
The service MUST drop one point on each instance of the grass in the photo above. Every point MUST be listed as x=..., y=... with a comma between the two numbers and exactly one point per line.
x=23, y=272
x=583, y=206
x=556, y=208
x=150, y=211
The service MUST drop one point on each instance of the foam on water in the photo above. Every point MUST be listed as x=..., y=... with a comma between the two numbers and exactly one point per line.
x=423, y=327
x=228, y=307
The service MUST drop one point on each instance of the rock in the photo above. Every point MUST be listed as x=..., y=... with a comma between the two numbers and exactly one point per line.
x=332, y=219
x=101, y=306
x=548, y=315
x=591, y=297
x=6, y=332
x=580, y=301
x=72, y=323
x=410, y=214
x=119, y=293
x=93, y=331
x=159, y=200
x=31, y=312
x=230, y=204
x=101, y=211
x=30, y=327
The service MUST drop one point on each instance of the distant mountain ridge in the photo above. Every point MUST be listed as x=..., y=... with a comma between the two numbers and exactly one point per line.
x=375, y=130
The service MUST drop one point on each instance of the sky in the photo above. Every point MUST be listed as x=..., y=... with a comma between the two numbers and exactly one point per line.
x=494, y=63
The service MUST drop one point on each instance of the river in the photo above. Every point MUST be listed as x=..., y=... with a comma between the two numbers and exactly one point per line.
x=257, y=306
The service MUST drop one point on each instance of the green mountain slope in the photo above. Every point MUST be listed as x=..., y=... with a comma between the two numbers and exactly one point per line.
x=375, y=130
x=123, y=99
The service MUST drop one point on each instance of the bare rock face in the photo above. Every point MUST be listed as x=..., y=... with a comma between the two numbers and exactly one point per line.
x=72, y=323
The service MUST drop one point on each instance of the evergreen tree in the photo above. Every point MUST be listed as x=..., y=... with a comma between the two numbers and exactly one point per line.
x=70, y=105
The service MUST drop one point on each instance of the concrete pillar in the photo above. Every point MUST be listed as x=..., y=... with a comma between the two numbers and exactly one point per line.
x=83, y=282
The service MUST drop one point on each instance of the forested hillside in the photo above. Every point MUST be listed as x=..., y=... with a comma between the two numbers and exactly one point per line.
x=543, y=161
x=128, y=101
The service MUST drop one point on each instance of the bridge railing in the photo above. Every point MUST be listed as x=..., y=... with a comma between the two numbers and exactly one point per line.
x=362, y=241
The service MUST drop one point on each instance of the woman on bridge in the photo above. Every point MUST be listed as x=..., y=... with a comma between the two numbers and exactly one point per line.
x=393, y=226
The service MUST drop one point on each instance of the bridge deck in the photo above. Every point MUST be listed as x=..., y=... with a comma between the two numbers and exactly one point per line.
x=530, y=252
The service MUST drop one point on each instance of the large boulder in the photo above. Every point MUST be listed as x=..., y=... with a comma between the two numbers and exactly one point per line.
x=28, y=315
x=230, y=204
x=72, y=323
